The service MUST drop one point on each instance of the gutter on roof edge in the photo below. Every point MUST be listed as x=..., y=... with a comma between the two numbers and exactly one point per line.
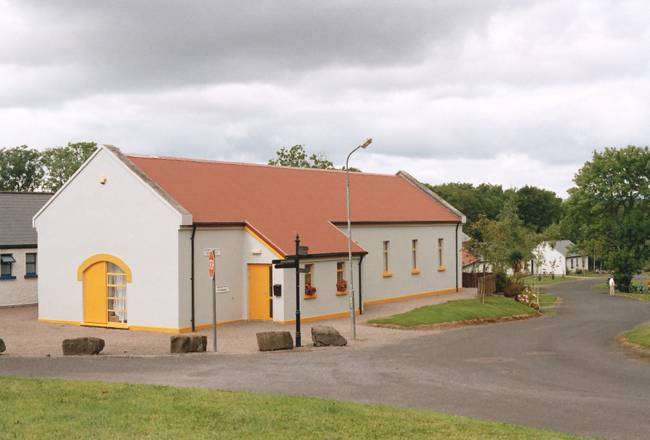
x=329, y=254
x=18, y=246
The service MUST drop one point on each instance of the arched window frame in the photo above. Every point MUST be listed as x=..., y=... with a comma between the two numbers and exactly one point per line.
x=97, y=258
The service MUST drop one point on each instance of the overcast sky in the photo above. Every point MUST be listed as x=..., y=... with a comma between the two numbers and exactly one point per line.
x=511, y=92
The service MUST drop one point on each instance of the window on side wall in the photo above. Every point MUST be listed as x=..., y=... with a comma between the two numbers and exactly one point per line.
x=441, y=263
x=30, y=265
x=341, y=283
x=414, y=257
x=310, y=289
x=386, y=255
x=6, y=266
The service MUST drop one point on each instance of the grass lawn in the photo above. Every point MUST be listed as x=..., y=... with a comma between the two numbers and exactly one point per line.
x=36, y=409
x=639, y=335
x=463, y=310
x=547, y=279
x=638, y=296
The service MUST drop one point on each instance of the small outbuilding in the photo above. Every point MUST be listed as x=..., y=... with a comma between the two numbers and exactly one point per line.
x=124, y=242
x=18, y=250
x=557, y=258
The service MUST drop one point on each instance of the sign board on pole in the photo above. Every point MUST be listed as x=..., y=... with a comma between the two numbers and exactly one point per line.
x=211, y=264
x=214, y=298
x=284, y=264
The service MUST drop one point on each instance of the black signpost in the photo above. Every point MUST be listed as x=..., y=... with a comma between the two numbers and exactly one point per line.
x=294, y=263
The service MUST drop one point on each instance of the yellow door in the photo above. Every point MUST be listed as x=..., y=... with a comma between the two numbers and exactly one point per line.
x=259, y=287
x=95, y=294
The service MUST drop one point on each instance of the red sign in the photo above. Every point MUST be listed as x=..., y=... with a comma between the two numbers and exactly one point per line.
x=211, y=264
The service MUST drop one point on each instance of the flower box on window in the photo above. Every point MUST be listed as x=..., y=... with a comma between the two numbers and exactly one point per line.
x=342, y=286
x=310, y=290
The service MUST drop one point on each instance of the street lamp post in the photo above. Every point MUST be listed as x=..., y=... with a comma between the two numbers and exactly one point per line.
x=353, y=319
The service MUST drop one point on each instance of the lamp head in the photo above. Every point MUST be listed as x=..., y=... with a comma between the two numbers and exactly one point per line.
x=366, y=143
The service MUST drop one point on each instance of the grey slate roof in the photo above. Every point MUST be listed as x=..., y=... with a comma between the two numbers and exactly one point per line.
x=16, y=212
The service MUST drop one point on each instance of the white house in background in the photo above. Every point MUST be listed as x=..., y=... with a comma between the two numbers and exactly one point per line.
x=18, y=254
x=557, y=258
x=124, y=242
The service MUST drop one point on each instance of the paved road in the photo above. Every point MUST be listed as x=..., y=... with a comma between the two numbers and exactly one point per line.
x=565, y=372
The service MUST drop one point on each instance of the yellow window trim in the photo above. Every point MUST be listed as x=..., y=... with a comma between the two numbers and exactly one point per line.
x=387, y=274
x=415, y=271
x=103, y=257
x=441, y=268
x=310, y=296
x=342, y=293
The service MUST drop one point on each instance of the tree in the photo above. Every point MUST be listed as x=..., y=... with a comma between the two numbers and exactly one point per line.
x=505, y=242
x=60, y=163
x=296, y=156
x=20, y=169
x=484, y=199
x=609, y=206
x=538, y=208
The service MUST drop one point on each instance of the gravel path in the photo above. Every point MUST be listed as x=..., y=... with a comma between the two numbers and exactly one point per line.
x=25, y=336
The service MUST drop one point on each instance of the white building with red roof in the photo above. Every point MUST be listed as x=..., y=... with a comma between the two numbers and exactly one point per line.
x=124, y=242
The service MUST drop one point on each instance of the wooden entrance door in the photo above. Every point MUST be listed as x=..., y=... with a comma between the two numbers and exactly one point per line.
x=259, y=291
x=95, y=294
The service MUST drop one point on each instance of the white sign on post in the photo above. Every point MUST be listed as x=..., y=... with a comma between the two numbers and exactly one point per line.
x=211, y=274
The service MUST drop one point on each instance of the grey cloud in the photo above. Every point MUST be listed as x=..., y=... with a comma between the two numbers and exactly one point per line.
x=429, y=80
x=121, y=46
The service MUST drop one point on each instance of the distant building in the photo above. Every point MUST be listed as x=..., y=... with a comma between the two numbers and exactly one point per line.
x=18, y=255
x=557, y=258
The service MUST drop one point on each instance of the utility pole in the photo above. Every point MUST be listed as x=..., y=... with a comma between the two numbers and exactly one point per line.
x=353, y=316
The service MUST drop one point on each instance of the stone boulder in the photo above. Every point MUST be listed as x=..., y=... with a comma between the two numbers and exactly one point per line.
x=325, y=335
x=82, y=346
x=3, y=347
x=189, y=344
x=270, y=341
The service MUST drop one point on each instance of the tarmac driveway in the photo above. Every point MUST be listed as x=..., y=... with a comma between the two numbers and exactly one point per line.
x=565, y=372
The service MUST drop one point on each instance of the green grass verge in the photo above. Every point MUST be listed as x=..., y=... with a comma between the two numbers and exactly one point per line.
x=637, y=296
x=463, y=310
x=639, y=335
x=36, y=409
x=547, y=279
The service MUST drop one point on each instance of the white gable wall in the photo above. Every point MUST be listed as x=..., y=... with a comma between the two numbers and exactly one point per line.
x=124, y=218
x=553, y=262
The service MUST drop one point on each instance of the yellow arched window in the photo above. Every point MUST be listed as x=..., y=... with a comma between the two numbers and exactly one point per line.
x=104, y=278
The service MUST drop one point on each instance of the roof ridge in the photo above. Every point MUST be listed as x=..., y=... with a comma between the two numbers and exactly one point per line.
x=252, y=164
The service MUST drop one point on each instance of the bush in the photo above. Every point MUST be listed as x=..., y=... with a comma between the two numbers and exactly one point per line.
x=501, y=279
x=623, y=282
x=513, y=288
x=578, y=271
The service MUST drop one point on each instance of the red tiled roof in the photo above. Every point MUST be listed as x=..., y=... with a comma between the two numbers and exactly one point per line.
x=467, y=257
x=278, y=202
